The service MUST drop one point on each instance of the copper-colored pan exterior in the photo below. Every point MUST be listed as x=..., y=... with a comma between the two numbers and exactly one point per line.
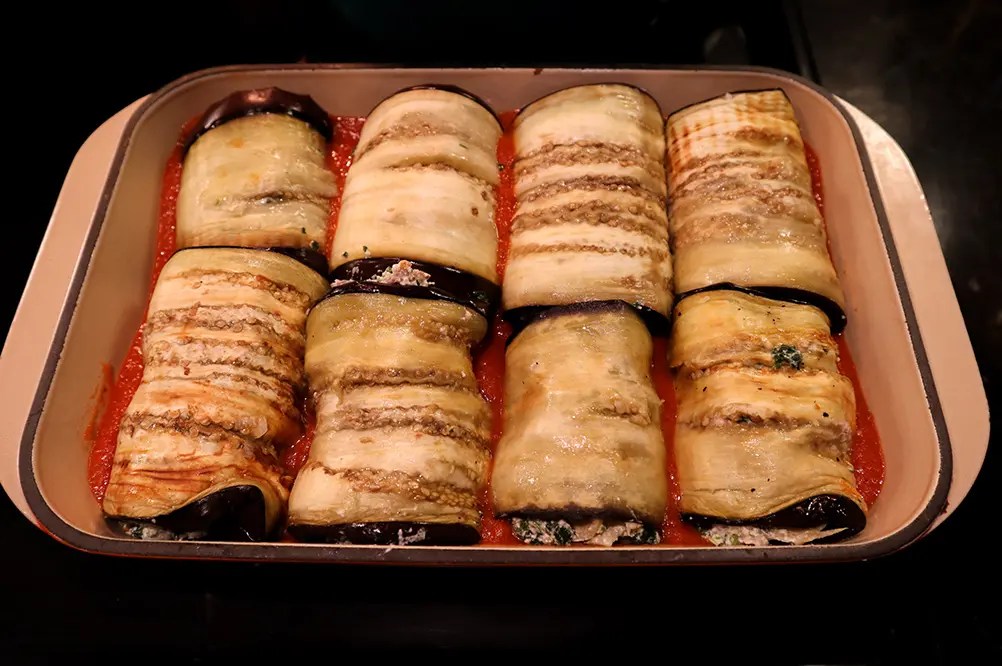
x=101, y=300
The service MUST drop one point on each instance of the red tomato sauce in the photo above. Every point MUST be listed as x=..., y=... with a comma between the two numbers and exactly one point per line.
x=867, y=455
x=102, y=451
x=489, y=358
x=488, y=361
x=674, y=532
x=347, y=130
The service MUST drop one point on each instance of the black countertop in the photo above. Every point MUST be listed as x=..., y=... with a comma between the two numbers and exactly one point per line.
x=928, y=72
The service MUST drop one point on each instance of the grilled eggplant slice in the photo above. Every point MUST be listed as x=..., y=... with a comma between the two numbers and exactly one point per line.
x=590, y=223
x=742, y=211
x=222, y=352
x=765, y=422
x=401, y=448
x=422, y=184
x=255, y=174
x=582, y=458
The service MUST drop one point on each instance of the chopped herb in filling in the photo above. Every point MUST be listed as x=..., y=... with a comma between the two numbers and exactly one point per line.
x=542, y=532
x=589, y=532
x=151, y=532
x=786, y=355
x=749, y=535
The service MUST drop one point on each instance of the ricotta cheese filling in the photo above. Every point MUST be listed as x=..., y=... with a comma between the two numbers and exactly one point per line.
x=402, y=273
x=595, y=532
x=749, y=535
x=151, y=532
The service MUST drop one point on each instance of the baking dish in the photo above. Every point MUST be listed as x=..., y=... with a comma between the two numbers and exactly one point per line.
x=87, y=294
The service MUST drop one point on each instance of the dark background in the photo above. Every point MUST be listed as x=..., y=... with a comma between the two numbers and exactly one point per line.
x=928, y=72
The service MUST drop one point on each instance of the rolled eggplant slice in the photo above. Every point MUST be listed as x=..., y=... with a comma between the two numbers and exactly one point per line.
x=222, y=353
x=401, y=449
x=582, y=458
x=744, y=476
x=422, y=184
x=765, y=422
x=742, y=211
x=256, y=174
x=590, y=223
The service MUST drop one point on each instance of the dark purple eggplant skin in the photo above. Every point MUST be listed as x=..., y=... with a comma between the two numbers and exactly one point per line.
x=830, y=511
x=231, y=514
x=447, y=284
x=836, y=315
x=445, y=87
x=520, y=318
x=390, y=533
x=262, y=100
x=639, y=89
x=311, y=258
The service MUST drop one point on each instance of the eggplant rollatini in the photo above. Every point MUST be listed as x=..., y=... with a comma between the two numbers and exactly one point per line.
x=582, y=458
x=422, y=184
x=742, y=211
x=222, y=353
x=590, y=223
x=255, y=174
x=401, y=448
x=765, y=422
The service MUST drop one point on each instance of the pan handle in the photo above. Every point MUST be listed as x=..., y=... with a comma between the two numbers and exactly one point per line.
x=941, y=325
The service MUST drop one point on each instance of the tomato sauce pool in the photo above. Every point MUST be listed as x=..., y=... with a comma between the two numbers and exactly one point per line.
x=347, y=130
x=867, y=456
x=105, y=435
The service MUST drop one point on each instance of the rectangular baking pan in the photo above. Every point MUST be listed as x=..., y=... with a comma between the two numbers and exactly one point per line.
x=101, y=300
